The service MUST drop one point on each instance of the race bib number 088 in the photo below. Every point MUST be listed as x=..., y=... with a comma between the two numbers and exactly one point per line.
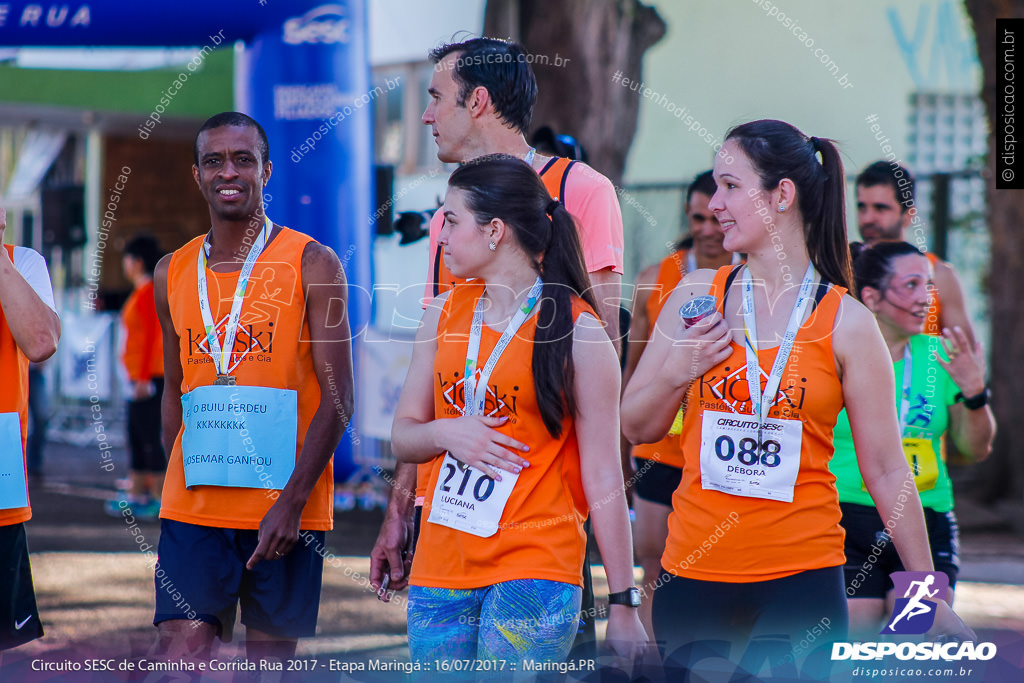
x=734, y=460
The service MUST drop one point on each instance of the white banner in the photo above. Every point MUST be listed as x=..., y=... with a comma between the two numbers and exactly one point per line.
x=87, y=363
x=382, y=365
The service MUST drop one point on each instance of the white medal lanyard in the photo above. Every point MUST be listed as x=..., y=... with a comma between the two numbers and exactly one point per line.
x=476, y=396
x=761, y=402
x=221, y=354
x=908, y=372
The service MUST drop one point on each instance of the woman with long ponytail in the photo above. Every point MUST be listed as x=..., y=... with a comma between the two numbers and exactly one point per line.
x=511, y=396
x=754, y=558
x=565, y=277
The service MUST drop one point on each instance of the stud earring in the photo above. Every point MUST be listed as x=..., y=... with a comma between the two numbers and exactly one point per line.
x=492, y=246
x=782, y=208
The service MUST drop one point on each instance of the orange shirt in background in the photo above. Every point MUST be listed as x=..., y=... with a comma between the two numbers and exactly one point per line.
x=667, y=451
x=715, y=536
x=143, y=354
x=933, y=319
x=273, y=335
x=540, y=535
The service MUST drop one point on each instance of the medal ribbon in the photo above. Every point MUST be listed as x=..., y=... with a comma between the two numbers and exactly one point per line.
x=476, y=389
x=761, y=402
x=221, y=355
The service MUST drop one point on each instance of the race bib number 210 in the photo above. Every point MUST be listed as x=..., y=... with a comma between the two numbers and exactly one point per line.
x=733, y=460
x=468, y=500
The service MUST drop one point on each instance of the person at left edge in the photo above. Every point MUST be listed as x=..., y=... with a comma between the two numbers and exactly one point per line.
x=29, y=331
x=223, y=544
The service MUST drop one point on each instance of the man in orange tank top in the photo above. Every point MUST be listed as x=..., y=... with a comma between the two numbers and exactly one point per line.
x=482, y=95
x=245, y=317
x=885, y=199
x=29, y=331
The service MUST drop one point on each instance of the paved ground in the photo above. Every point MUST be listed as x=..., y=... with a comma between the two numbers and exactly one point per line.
x=96, y=591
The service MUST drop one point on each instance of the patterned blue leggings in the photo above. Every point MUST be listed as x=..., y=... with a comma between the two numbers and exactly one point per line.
x=512, y=620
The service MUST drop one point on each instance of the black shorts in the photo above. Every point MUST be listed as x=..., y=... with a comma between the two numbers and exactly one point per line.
x=780, y=620
x=18, y=609
x=145, y=438
x=655, y=481
x=201, y=576
x=871, y=555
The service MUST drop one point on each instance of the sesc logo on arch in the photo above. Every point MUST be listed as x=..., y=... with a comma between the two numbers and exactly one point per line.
x=914, y=612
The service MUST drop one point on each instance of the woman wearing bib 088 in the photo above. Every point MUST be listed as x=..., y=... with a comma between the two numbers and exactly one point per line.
x=512, y=375
x=755, y=551
x=933, y=377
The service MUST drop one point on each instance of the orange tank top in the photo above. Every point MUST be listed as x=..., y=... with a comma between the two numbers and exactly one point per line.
x=13, y=396
x=670, y=273
x=540, y=535
x=143, y=354
x=553, y=175
x=715, y=536
x=933, y=321
x=274, y=336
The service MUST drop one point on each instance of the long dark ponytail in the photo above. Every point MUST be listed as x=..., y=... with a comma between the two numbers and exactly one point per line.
x=500, y=186
x=779, y=150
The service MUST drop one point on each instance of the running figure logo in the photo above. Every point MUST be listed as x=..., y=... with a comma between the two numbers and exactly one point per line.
x=915, y=611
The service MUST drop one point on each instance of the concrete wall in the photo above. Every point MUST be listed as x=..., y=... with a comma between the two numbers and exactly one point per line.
x=732, y=62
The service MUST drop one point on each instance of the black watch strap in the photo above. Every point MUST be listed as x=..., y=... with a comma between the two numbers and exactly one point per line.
x=629, y=597
x=975, y=402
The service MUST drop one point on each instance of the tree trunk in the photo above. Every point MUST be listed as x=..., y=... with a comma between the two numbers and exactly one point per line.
x=578, y=46
x=1003, y=474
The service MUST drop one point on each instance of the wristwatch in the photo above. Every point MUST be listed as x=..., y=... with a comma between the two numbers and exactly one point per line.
x=629, y=597
x=974, y=402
